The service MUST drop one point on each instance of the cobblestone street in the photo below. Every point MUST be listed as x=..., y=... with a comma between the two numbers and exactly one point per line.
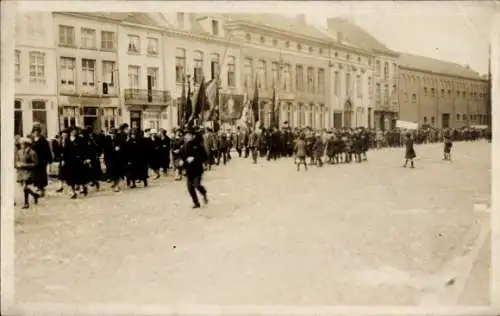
x=357, y=234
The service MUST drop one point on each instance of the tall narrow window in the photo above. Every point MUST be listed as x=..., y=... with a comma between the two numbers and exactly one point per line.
x=37, y=67
x=321, y=80
x=370, y=92
x=247, y=72
x=386, y=70
x=180, y=64
x=348, y=84
x=66, y=35
x=359, y=86
x=287, y=77
x=336, y=83
x=310, y=80
x=274, y=73
x=261, y=74
x=17, y=65
x=198, y=67
x=152, y=46
x=386, y=94
x=215, y=27
x=68, y=72
x=133, y=77
x=180, y=19
x=231, y=71
x=377, y=67
x=88, y=72
x=134, y=44
x=88, y=38
x=108, y=72
x=214, y=66
x=377, y=92
x=299, y=78
x=107, y=40
x=153, y=73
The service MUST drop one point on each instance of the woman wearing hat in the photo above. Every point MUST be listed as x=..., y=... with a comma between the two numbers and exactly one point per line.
x=42, y=149
x=26, y=162
x=410, y=151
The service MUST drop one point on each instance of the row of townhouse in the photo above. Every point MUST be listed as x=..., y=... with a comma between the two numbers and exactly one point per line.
x=103, y=69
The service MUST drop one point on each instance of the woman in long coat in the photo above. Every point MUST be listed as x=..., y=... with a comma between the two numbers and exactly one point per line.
x=410, y=151
x=73, y=163
x=114, y=159
x=42, y=148
x=137, y=164
x=164, y=151
x=26, y=162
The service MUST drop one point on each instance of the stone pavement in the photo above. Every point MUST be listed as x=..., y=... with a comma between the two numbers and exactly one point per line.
x=358, y=234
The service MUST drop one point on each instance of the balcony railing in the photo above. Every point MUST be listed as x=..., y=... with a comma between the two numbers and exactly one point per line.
x=143, y=96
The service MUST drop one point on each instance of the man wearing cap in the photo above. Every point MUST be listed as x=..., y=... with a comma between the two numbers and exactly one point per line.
x=42, y=149
x=193, y=157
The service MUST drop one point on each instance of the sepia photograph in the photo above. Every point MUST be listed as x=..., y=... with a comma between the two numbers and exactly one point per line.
x=244, y=154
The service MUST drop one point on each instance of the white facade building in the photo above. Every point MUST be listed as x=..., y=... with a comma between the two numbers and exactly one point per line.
x=142, y=64
x=198, y=46
x=35, y=70
x=86, y=62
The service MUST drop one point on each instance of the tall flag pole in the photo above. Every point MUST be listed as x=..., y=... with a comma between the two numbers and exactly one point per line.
x=255, y=103
x=188, y=108
x=182, y=106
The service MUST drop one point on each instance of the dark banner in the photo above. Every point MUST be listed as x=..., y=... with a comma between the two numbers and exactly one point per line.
x=232, y=106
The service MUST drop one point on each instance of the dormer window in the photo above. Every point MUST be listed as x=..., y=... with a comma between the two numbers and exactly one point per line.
x=310, y=49
x=299, y=47
x=248, y=37
x=287, y=44
x=262, y=39
x=275, y=42
x=180, y=19
x=215, y=27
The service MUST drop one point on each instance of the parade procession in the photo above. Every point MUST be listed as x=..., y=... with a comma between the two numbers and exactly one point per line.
x=272, y=116
x=307, y=158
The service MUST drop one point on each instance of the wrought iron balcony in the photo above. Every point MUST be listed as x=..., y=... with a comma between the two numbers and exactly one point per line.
x=144, y=97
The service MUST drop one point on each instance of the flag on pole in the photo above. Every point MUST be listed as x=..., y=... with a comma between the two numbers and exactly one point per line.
x=188, y=107
x=201, y=101
x=255, y=102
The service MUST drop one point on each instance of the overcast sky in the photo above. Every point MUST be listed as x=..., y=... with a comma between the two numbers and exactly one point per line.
x=453, y=31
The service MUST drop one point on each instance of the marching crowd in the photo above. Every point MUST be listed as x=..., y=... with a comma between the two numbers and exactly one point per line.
x=84, y=158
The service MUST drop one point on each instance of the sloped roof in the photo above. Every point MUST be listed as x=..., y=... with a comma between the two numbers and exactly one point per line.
x=357, y=35
x=436, y=65
x=279, y=22
x=132, y=17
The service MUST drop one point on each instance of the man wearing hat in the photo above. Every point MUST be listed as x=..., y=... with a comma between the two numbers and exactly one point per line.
x=26, y=162
x=42, y=149
x=193, y=157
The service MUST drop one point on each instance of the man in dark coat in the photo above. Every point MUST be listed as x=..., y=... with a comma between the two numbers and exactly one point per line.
x=164, y=141
x=114, y=159
x=193, y=157
x=136, y=156
x=42, y=149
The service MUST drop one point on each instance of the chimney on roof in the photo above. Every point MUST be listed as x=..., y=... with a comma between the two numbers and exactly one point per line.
x=301, y=19
x=330, y=24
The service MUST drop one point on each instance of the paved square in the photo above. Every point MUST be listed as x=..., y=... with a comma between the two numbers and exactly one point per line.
x=357, y=234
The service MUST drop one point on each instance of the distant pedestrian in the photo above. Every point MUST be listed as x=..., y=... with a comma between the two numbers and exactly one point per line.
x=300, y=152
x=26, y=162
x=410, y=154
x=448, y=143
x=193, y=157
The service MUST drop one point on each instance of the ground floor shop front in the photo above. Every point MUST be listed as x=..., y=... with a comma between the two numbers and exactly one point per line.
x=101, y=114
x=30, y=109
x=149, y=117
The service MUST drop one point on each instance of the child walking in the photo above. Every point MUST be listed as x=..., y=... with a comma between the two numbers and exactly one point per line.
x=26, y=161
